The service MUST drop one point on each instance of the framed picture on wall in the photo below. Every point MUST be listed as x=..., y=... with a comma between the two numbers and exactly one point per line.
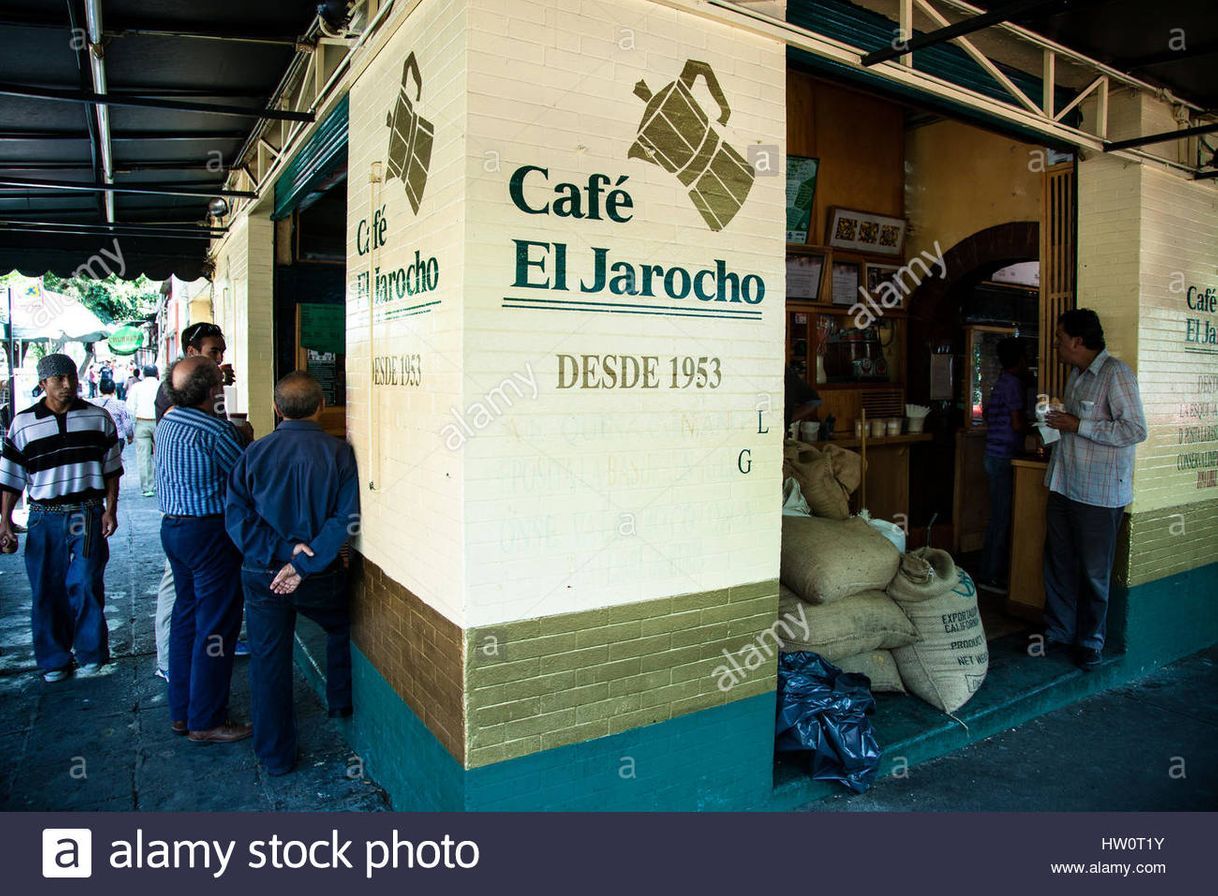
x=801, y=190
x=865, y=232
x=877, y=276
x=846, y=276
x=804, y=274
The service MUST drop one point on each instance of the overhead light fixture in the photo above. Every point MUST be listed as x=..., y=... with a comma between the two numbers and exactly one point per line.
x=218, y=207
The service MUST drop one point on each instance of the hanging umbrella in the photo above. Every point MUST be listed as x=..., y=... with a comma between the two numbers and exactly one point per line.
x=126, y=340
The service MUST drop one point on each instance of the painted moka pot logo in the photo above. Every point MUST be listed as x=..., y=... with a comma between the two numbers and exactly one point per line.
x=677, y=135
x=410, y=137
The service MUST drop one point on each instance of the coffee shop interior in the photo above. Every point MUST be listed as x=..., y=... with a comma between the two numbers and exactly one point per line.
x=926, y=240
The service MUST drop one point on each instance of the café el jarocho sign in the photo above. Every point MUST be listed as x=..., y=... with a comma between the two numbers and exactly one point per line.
x=1201, y=331
x=676, y=134
x=411, y=137
x=1200, y=337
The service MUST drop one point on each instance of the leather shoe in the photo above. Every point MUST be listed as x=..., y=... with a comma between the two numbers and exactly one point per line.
x=227, y=733
x=178, y=727
x=1088, y=658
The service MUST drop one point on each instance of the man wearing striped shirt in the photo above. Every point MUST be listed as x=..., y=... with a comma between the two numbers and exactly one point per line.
x=196, y=452
x=1090, y=480
x=68, y=454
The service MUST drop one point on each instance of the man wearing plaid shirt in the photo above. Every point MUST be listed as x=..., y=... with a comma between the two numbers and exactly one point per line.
x=1090, y=480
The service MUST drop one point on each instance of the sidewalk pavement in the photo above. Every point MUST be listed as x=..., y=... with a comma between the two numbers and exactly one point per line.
x=1147, y=746
x=104, y=743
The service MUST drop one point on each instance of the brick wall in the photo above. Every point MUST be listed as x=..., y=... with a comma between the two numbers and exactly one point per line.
x=1171, y=540
x=543, y=683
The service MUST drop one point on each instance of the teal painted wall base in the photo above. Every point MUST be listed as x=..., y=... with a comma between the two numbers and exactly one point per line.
x=722, y=759
x=1165, y=620
x=716, y=759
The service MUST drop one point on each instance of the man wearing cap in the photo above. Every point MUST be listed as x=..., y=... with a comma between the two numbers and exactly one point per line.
x=141, y=399
x=68, y=454
x=196, y=452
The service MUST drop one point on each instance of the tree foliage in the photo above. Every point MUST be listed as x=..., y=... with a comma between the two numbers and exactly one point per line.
x=112, y=300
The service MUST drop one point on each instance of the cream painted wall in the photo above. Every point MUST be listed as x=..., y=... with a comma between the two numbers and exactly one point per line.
x=1178, y=375
x=961, y=179
x=579, y=498
x=412, y=483
x=500, y=496
x=242, y=291
x=1145, y=237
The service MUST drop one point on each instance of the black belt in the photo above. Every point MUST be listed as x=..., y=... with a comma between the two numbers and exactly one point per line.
x=91, y=534
x=191, y=516
x=67, y=507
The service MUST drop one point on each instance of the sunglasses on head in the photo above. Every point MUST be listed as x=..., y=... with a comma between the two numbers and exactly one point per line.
x=194, y=333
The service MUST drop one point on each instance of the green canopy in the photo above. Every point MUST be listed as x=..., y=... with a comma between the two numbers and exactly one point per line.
x=126, y=340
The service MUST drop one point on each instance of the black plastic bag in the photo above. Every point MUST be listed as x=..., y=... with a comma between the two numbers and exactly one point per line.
x=823, y=711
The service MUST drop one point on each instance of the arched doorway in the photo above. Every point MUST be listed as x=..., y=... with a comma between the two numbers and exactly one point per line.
x=936, y=318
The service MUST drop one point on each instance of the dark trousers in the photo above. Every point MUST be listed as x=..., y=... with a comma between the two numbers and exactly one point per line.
x=1080, y=546
x=271, y=627
x=997, y=533
x=65, y=558
x=206, y=618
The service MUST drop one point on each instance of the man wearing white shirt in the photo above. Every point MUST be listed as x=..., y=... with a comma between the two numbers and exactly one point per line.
x=141, y=399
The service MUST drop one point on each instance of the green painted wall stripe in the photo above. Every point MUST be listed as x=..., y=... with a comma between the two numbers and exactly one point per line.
x=1170, y=541
x=539, y=684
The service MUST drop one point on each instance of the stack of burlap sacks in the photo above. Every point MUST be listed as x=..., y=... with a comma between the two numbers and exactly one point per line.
x=848, y=594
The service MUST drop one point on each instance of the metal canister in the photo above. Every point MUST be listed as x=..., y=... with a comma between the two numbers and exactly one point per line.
x=410, y=137
x=676, y=134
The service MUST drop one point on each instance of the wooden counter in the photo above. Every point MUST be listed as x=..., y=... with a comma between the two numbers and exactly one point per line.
x=878, y=442
x=1026, y=597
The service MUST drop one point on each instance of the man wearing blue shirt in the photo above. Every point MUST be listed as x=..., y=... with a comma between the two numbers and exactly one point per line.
x=196, y=451
x=293, y=503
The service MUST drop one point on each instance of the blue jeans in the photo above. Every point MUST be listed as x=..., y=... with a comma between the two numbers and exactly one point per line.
x=271, y=627
x=206, y=618
x=1080, y=547
x=997, y=533
x=65, y=558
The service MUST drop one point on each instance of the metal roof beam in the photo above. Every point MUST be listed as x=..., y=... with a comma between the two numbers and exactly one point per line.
x=155, y=230
x=47, y=136
x=1064, y=52
x=155, y=29
x=141, y=189
x=81, y=231
x=959, y=29
x=1162, y=138
x=119, y=167
x=108, y=99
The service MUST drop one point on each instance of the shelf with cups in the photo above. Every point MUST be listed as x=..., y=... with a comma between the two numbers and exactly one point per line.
x=840, y=340
x=828, y=349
